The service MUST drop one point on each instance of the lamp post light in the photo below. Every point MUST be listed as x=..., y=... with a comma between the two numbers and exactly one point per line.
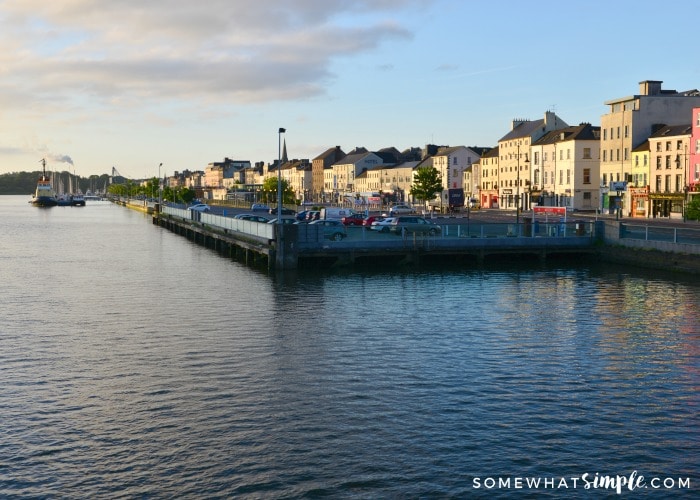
x=517, y=192
x=160, y=189
x=279, y=176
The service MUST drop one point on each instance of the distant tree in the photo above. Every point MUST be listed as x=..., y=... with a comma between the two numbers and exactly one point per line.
x=426, y=184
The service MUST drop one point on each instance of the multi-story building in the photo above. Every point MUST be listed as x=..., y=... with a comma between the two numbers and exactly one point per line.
x=668, y=152
x=565, y=168
x=488, y=188
x=514, y=158
x=638, y=186
x=694, y=158
x=628, y=123
x=345, y=171
x=319, y=165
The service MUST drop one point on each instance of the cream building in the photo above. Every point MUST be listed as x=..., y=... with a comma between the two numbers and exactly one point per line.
x=629, y=122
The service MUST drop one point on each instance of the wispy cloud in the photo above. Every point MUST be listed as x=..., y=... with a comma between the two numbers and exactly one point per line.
x=67, y=52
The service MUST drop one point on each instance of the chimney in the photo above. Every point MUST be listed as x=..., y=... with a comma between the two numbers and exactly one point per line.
x=650, y=87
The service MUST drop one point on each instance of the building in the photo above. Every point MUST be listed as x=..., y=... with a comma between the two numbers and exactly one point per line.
x=668, y=154
x=638, y=187
x=565, y=168
x=488, y=187
x=319, y=166
x=629, y=122
x=514, y=158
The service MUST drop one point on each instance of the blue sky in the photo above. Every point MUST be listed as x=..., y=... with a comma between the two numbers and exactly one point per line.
x=132, y=84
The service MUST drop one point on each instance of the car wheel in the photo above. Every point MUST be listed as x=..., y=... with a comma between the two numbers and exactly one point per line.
x=337, y=237
x=432, y=232
x=384, y=230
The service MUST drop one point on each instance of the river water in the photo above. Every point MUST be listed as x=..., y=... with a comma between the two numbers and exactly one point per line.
x=134, y=363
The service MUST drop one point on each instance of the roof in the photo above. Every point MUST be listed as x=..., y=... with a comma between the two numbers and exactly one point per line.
x=582, y=132
x=672, y=130
x=523, y=129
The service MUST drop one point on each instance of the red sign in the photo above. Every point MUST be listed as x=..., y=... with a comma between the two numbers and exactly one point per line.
x=549, y=210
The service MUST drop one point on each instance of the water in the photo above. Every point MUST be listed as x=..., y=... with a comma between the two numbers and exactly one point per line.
x=134, y=363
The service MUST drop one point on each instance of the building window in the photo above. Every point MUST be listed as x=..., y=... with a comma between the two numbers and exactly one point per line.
x=586, y=175
x=605, y=180
x=618, y=132
x=645, y=160
x=658, y=183
x=605, y=155
x=586, y=153
x=658, y=163
x=636, y=161
x=605, y=131
x=568, y=176
x=561, y=177
x=561, y=154
x=667, y=185
x=627, y=131
x=658, y=146
x=568, y=154
x=668, y=161
x=679, y=145
x=668, y=145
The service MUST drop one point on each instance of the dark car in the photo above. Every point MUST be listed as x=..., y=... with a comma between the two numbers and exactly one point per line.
x=353, y=219
x=313, y=215
x=411, y=224
x=333, y=229
x=285, y=211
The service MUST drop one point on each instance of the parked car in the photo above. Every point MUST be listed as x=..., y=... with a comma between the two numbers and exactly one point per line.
x=313, y=215
x=284, y=210
x=333, y=229
x=285, y=220
x=367, y=222
x=400, y=210
x=413, y=224
x=251, y=217
x=200, y=207
x=382, y=225
x=259, y=207
x=355, y=219
x=301, y=216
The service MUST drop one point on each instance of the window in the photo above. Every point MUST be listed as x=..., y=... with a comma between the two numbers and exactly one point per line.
x=536, y=158
x=586, y=175
x=605, y=131
x=618, y=132
x=645, y=160
x=658, y=146
x=668, y=145
x=605, y=180
x=617, y=151
x=568, y=154
x=586, y=153
x=668, y=161
x=679, y=145
x=636, y=161
x=627, y=131
x=561, y=177
x=605, y=155
x=561, y=154
x=658, y=183
x=568, y=176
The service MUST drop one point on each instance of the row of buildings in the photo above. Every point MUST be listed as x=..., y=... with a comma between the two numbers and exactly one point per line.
x=642, y=161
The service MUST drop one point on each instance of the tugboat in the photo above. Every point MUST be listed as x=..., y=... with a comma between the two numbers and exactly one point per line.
x=45, y=196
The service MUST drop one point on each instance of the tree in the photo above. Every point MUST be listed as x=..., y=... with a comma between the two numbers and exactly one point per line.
x=269, y=190
x=692, y=209
x=426, y=184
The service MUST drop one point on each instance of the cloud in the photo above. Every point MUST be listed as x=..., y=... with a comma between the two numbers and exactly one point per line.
x=67, y=53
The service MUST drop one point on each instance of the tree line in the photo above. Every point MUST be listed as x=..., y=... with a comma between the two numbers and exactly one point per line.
x=25, y=182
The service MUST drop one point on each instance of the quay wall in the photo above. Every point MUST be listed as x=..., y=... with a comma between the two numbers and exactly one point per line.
x=649, y=254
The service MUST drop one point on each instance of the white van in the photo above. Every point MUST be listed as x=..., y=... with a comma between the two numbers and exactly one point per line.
x=335, y=213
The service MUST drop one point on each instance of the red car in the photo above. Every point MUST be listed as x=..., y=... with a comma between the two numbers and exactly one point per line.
x=353, y=220
x=372, y=218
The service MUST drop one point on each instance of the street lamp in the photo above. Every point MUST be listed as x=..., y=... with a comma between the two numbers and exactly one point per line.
x=160, y=189
x=517, y=192
x=279, y=176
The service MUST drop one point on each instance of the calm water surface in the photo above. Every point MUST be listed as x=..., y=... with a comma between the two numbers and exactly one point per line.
x=134, y=363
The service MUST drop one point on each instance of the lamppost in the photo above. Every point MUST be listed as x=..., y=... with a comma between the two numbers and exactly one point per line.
x=517, y=193
x=685, y=183
x=279, y=178
x=160, y=189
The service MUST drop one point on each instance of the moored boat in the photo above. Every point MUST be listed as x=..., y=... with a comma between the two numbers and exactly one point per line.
x=44, y=196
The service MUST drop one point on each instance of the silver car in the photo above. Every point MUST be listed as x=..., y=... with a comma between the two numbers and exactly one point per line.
x=412, y=224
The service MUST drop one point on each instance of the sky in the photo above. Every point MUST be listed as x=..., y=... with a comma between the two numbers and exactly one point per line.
x=92, y=84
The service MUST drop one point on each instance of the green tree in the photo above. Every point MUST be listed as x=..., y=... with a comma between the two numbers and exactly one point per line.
x=426, y=184
x=269, y=190
x=692, y=209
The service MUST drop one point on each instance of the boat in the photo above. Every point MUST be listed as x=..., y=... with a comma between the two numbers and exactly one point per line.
x=44, y=196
